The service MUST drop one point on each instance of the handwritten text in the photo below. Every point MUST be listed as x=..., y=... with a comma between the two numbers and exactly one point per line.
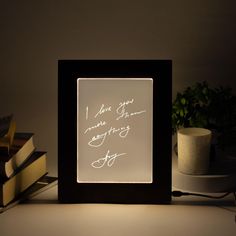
x=109, y=159
x=99, y=139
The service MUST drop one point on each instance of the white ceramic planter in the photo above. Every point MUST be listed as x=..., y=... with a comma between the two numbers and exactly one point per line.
x=194, y=150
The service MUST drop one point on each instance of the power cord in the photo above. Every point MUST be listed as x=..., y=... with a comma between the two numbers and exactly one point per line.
x=180, y=194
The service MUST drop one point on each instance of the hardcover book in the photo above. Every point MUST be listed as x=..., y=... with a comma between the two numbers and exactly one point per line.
x=32, y=170
x=20, y=150
x=43, y=184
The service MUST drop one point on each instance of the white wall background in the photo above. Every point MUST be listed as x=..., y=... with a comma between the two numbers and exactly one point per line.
x=199, y=36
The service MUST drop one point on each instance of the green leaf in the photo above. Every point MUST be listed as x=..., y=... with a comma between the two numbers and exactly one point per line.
x=183, y=101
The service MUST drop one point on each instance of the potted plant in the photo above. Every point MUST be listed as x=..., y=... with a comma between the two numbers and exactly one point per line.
x=205, y=107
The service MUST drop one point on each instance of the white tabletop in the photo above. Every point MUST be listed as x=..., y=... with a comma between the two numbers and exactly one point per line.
x=43, y=215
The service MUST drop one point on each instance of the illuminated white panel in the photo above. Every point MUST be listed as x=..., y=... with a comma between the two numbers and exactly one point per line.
x=114, y=130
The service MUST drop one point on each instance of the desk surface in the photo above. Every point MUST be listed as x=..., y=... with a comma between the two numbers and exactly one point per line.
x=43, y=215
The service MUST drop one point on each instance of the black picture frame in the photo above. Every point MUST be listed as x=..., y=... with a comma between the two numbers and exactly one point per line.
x=69, y=190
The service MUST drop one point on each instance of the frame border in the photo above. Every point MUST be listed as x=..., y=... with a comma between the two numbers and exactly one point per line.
x=159, y=191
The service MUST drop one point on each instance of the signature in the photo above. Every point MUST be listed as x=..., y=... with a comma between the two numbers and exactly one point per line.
x=99, y=139
x=109, y=159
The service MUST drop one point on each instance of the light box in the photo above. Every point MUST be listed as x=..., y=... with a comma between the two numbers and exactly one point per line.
x=114, y=130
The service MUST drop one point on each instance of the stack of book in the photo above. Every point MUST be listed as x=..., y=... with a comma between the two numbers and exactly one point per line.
x=21, y=165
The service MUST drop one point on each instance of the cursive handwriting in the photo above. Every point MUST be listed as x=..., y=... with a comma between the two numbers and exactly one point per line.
x=121, y=110
x=109, y=159
x=122, y=105
x=99, y=139
x=126, y=114
x=101, y=123
x=102, y=110
x=86, y=112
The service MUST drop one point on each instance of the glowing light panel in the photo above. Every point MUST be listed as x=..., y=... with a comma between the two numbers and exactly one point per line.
x=114, y=130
